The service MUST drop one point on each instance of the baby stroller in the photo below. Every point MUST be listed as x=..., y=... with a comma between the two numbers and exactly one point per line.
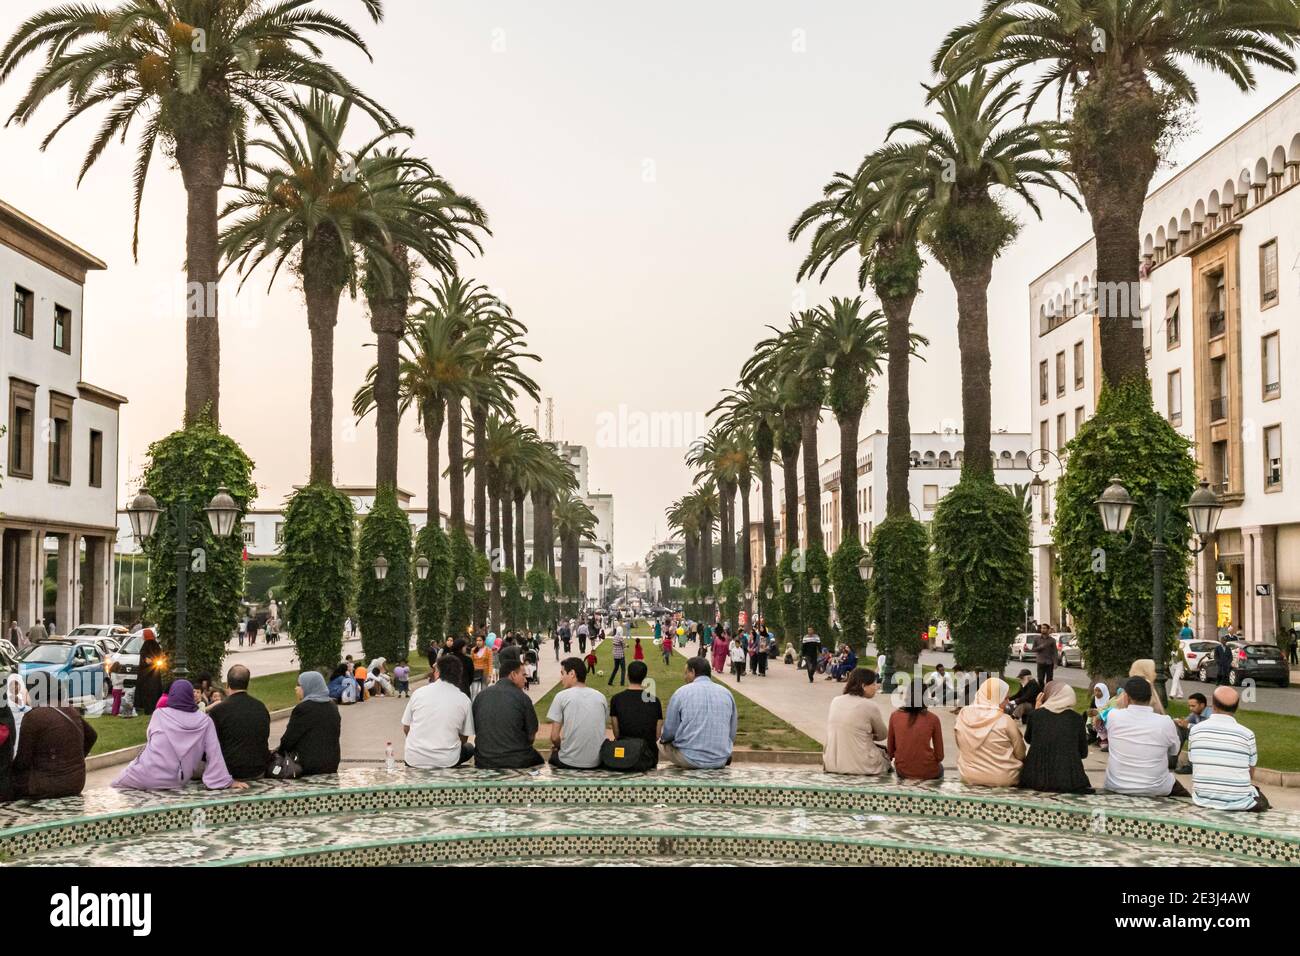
x=530, y=668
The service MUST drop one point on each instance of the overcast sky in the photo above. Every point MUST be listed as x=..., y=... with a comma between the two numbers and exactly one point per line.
x=641, y=164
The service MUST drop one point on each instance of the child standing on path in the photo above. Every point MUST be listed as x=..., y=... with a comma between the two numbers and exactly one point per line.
x=737, y=658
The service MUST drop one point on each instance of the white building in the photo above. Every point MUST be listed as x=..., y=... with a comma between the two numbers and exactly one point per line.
x=263, y=528
x=59, y=488
x=1221, y=258
x=936, y=459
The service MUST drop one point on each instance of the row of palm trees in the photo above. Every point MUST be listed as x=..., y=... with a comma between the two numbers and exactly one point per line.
x=199, y=78
x=940, y=184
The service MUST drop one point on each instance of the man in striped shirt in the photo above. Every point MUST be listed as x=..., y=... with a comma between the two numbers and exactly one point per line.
x=1223, y=756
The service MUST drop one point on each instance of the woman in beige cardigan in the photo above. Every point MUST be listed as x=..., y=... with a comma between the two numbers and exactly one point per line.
x=990, y=747
x=854, y=728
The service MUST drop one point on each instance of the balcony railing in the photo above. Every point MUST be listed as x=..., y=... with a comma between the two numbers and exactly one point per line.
x=1219, y=409
x=1218, y=322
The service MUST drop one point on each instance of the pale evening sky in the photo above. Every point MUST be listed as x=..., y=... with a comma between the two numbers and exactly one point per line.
x=641, y=165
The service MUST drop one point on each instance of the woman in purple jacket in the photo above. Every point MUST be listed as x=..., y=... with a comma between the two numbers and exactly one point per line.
x=180, y=737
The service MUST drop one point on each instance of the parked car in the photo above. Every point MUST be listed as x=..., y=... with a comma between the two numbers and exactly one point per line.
x=1250, y=660
x=1194, y=652
x=75, y=669
x=108, y=637
x=1022, y=648
x=1069, y=654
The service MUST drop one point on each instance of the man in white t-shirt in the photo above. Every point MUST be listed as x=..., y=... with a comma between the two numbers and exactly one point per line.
x=438, y=721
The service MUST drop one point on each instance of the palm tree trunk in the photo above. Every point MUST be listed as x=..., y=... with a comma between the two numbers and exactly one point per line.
x=746, y=558
x=478, y=415
x=769, y=518
x=691, y=556
x=494, y=521
x=790, y=482
x=456, y=465
x=972, y=287
x=322, y=315
x=706, y=554
x=898, y=451
x=849, y=476
x=386, y=321
x=519, y=534
x=432, y=417
x=727, y=527
x=504, y=502
x=1114, y=166
x=203, y=170
x=812, y=484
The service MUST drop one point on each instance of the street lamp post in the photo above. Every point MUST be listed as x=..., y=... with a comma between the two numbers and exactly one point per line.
x=144, y=513
x=1203, y=511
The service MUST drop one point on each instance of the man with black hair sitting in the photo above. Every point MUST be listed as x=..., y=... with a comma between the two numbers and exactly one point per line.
x=1140, y=745
x=438, y=722
x=505, y=723
x=638, y=715
x=700, y=727
x=578, y=716
x=243, y=727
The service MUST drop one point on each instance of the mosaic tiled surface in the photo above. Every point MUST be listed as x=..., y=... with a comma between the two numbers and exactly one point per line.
x=134, y=821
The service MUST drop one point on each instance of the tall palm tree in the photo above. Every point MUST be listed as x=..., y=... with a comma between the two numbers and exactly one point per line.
x=439, y=363
x=443, y=220
x=849, y=342
x=802, y=389
x=757, y=412
x=574, y=522
x=550, y=480
x=665, y=566
x=316, y=211
x=682, y=518
x=962, y=165
x=1123, y=63
x=194, y=74
x=504, y=437
x=876, y=214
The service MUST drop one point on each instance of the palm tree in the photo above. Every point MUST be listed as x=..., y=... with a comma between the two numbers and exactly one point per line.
x=757, y=412
x=443, y=220
x=439, y=364
x=194, y=74
x=550, y=480
x=960, y=167
x=665, y=566
x=875, y=214
x=1123, y=64
x=574, y=521
x=781, y=359
x=850, y=343
x=504, y=437
x=316, y=211
x=683, y=519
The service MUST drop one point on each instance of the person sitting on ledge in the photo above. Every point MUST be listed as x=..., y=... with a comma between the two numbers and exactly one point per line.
x=315, y=726
x=50, y=759
x=1058, y=743
x=915, y=741
x=1223, y=755
x=700, y=726
x=437, y=721
x=845, y=664
x=990, y=747
x=1140, y=745
x=578, y=716
x=855, y=730
x=243, y=727
x=1022, y=703
x=505, y=722
x=180, y=739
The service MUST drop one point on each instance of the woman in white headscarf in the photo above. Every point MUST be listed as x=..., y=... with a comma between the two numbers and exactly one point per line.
x=990, y=747
x=377, y=680
x=18, y=702
x=1146, y=669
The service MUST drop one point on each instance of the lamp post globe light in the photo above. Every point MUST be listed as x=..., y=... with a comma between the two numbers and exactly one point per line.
x=381, y=567
x=865, y=567
x=460, y=582
x=422, y=568
x=787, y=585
x=487, y=585
x=222, y=513
x=816, y=583
x=1204, y=509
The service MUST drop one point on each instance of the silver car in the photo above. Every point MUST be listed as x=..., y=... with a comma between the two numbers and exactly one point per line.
x=1069, y=653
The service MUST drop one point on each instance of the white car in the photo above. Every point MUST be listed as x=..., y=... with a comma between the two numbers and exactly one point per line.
x=1195, y=651
x=128, y=655
x=107, y=637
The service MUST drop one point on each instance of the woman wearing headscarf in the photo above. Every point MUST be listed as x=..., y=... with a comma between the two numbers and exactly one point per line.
x=17, y=702
x=148, y=682
x=8, y=738
x=180, y=739
x=312, y=737
x=721, y=647
x=1058, y=743
x=1146, y=669
x=990, y=747
x=50, y=757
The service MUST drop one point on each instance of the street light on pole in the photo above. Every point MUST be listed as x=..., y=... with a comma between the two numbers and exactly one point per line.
x=1204, y=509
x=144, y=512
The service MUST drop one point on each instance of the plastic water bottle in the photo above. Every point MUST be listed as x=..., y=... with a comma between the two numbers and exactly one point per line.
x=389, y=763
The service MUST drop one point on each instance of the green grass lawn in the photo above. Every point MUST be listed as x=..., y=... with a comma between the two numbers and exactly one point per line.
x=274, y=690
x=757, y=727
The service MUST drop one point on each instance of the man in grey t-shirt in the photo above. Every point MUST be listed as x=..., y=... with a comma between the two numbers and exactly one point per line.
x=578, y=716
